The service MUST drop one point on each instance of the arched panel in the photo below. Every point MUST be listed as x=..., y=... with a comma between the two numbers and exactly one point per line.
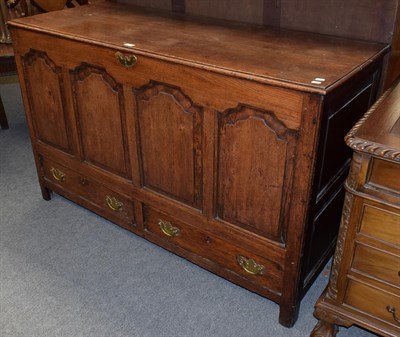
x=254, y=168
x=170, y=139
x=46, y=99
x=99, y=106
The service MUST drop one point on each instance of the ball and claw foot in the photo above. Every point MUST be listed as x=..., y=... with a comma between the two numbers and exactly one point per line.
x=324, y=329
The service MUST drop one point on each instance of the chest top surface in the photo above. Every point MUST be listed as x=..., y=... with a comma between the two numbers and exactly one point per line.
x=310, y=62
x=378, y=132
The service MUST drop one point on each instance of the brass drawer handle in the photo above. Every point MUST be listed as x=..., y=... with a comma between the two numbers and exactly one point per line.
x=57, y=174
x=392, y=310
x=168, y=229
x=114, y=204
x=126, y=61
x=250, y=266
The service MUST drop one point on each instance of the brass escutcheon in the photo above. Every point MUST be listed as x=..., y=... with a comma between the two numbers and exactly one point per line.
x=126, y=60
x=114, y=204
x=57, y=174
x=250, y=266
x=168, y=229
x=83, y=181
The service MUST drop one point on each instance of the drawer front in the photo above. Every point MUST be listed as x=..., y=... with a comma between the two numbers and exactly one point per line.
x=381, y=224
x=377, y=264
x=382, y=305
x=108, y=201
x=250, y=266
x=385, y=176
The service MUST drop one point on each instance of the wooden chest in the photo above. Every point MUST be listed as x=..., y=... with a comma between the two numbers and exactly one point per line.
x=364, y=286
x=220, y=142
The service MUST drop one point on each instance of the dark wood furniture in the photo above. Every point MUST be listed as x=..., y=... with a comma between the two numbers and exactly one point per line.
x=220, y=142
x=370, y=20
x=7, y=60
x=364, y=287
x=7, y=68
x=3, y=116
x=52, y=5
x=393, y=71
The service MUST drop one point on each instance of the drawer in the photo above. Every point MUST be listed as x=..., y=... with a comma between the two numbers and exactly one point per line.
x=374, y=302
x=106, y=201
x=384, y=175
x=377, y=264
x=246, y=264
x=381, y=223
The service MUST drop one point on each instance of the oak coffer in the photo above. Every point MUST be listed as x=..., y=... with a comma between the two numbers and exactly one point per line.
x=364, y=287
x=220, y=142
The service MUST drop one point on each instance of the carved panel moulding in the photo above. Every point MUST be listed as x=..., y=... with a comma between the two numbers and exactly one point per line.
x=186, y=118
x=354, y=170
x=332, y=288
x=235, y=141
x=47, y=94
x=98, y=110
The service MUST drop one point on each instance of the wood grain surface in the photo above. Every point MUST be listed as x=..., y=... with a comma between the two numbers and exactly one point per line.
x=249, y=51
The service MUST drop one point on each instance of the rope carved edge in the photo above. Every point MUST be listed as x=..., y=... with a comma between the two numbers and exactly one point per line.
x=367, y=146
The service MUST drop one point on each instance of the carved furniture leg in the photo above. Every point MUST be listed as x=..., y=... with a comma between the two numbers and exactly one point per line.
x=329, y=322
x=324, y=329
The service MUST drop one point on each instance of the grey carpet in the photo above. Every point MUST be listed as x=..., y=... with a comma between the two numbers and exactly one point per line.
x=65, y=271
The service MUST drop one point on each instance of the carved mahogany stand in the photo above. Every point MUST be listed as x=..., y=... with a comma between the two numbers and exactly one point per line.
x=364, y=287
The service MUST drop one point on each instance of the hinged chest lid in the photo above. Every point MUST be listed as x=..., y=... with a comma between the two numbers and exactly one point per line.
x=299, y=60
